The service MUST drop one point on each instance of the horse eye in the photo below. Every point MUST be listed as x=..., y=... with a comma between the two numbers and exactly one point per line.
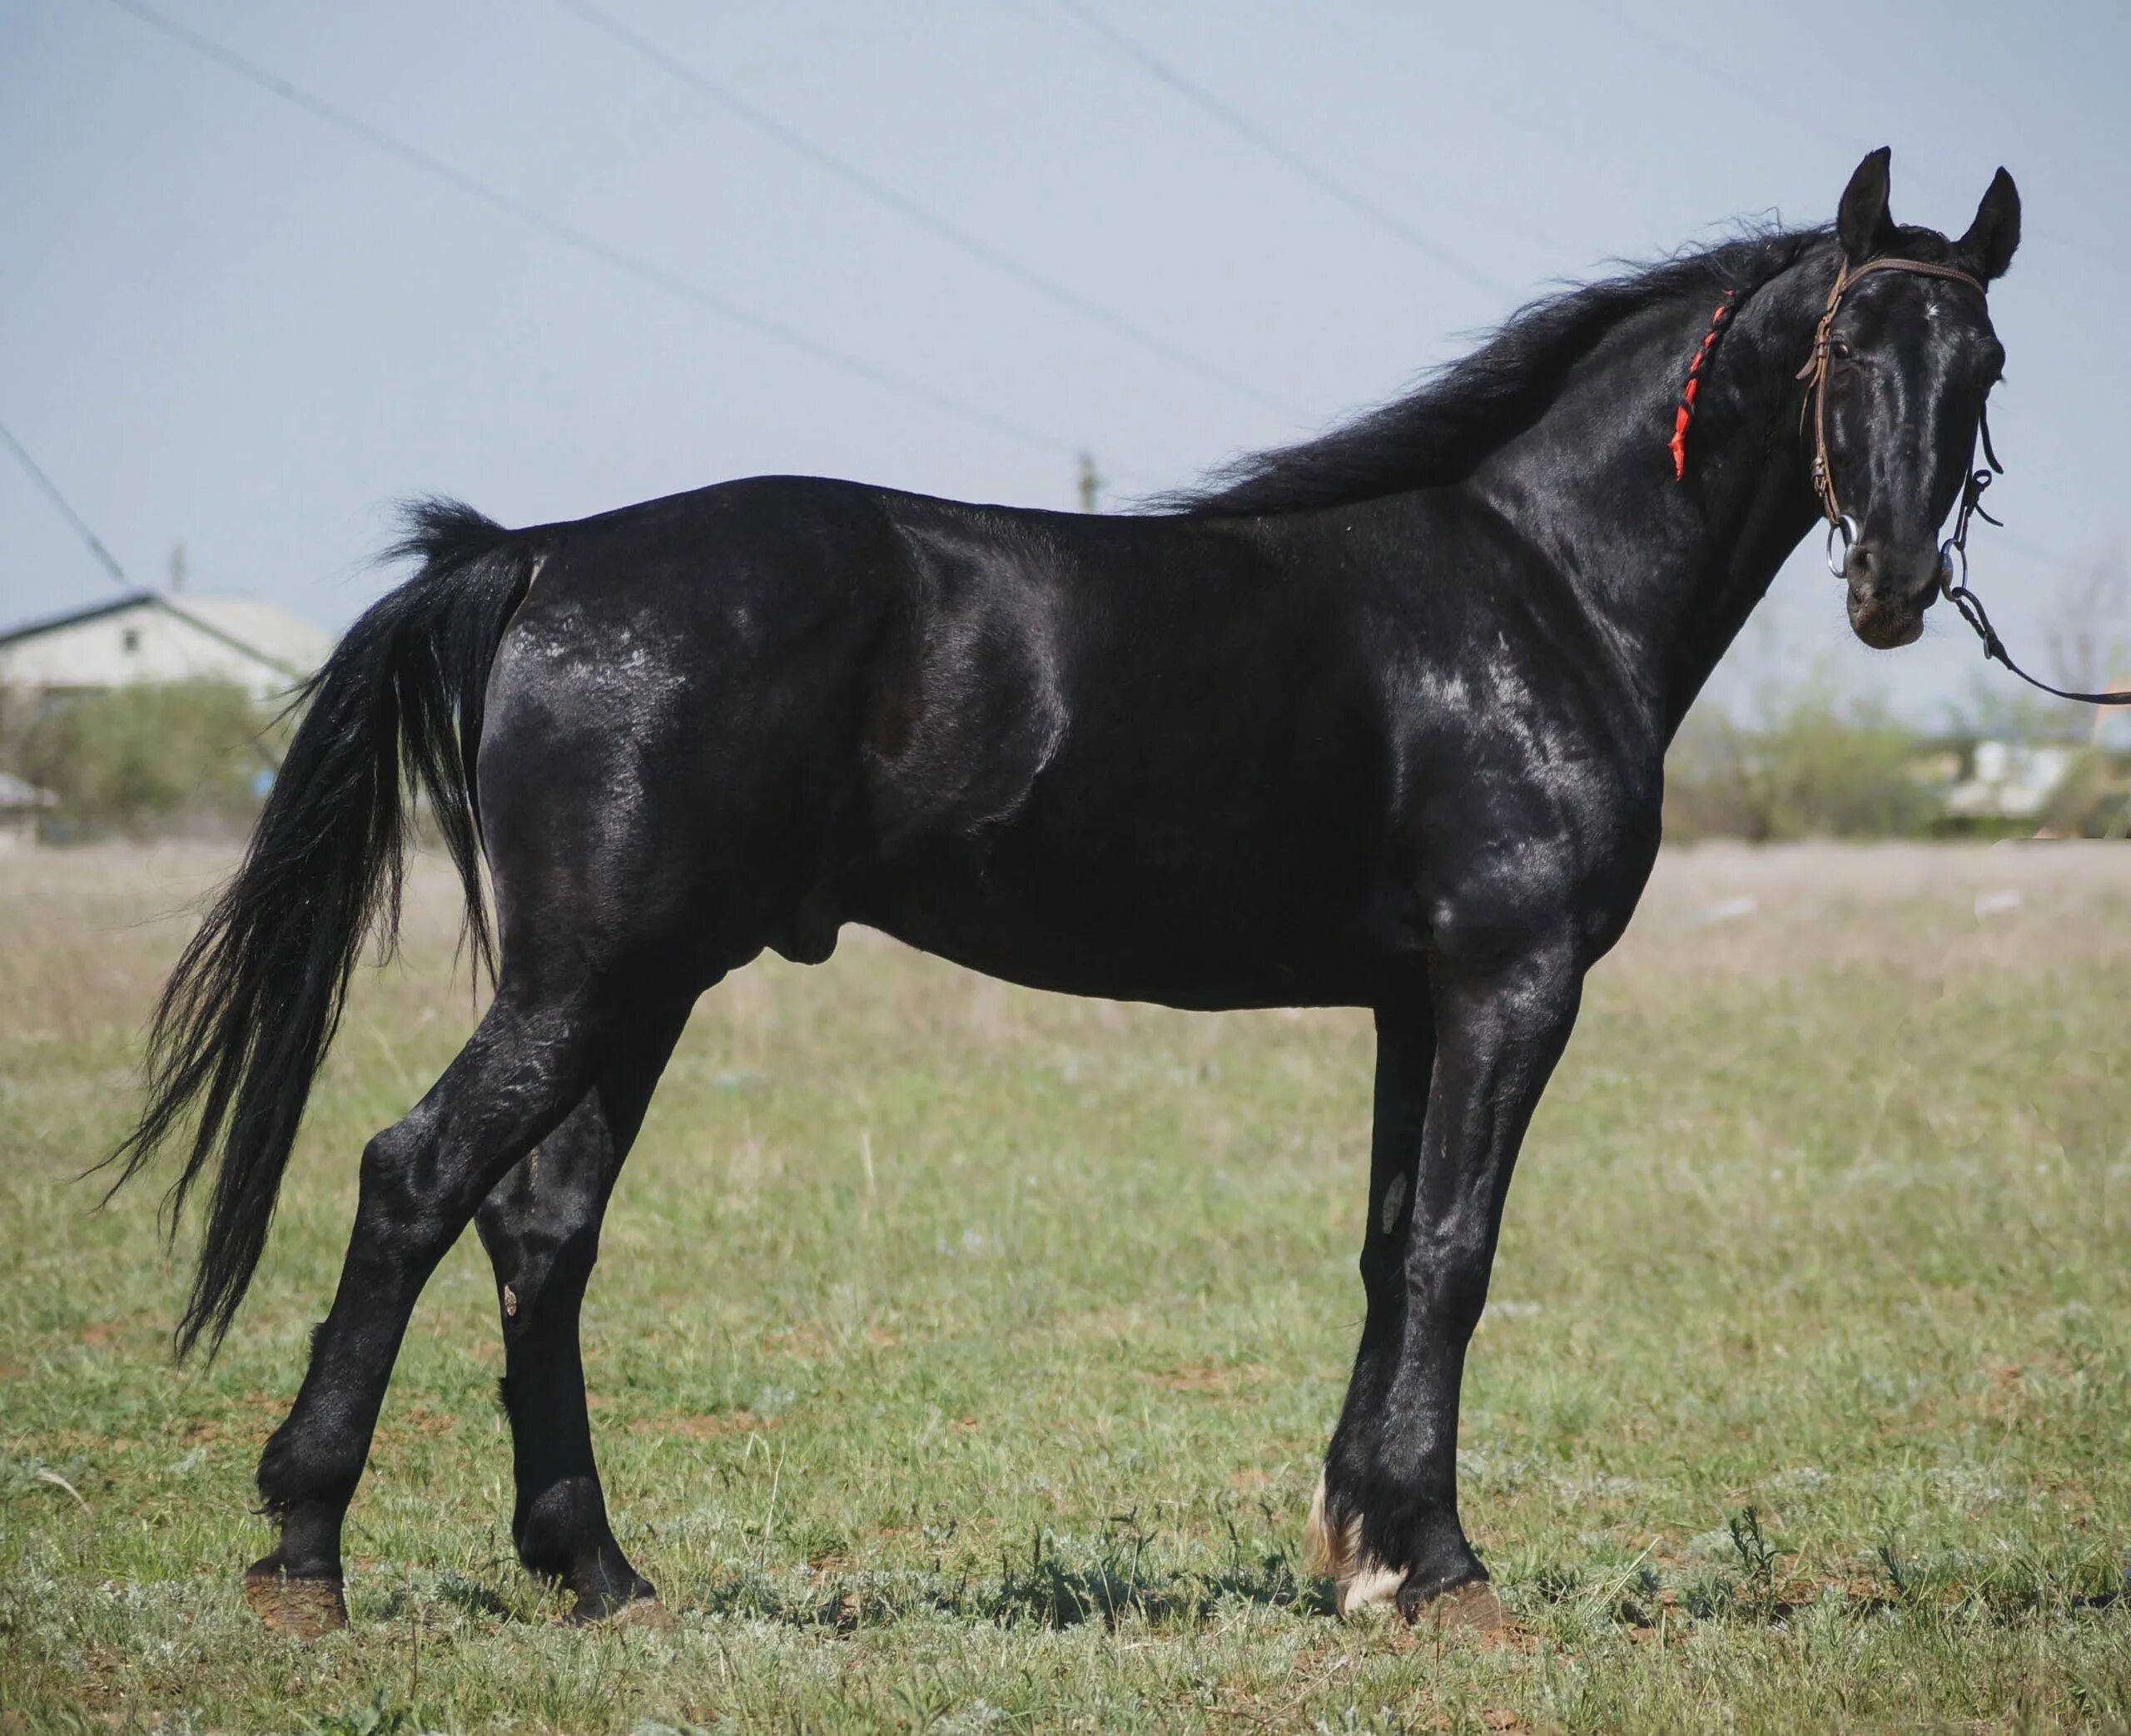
x=1839, y=351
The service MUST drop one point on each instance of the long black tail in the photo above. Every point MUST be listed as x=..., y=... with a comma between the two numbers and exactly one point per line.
x=246, y=1017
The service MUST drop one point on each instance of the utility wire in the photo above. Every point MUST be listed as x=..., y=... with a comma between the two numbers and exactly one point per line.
x=1719, y=79
x=631, y=264
x=923, y=216
x=105, y=558
x=1255, y=136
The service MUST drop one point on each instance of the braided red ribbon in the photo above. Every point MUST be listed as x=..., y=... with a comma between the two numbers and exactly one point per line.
x=1685, y=414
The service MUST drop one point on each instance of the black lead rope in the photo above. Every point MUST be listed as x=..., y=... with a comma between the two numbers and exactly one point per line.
x=1954, y=586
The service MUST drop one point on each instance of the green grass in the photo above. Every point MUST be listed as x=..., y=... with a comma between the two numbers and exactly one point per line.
x=961, y=1356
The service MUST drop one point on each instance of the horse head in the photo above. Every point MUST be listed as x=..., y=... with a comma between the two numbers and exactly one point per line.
x=1903, y=359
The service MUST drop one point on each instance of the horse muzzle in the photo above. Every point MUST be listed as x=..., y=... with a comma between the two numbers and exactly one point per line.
x=1888, y=592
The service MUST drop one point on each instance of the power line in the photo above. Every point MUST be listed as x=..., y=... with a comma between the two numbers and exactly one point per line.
x=644, y=270
x=922, y=216
x=105, y=558
x=1323, y=179
x=1719, y=77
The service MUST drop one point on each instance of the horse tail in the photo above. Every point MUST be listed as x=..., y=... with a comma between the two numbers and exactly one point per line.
x=245, y=1019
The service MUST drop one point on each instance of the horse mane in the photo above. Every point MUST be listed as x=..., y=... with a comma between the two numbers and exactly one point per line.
x=1439, y=432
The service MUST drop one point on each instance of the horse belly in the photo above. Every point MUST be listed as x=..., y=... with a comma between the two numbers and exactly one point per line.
x=1261, y=901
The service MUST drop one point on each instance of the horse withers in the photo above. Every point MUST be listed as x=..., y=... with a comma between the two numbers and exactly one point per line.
x=1378, y=720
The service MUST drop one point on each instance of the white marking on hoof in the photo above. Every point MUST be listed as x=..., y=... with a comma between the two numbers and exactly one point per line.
x=1361, y=1581
x=1372, y=1586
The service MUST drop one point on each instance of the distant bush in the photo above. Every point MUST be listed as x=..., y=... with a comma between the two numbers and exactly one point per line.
x=2094, y=801
x=148, y=759
x=1820, y=767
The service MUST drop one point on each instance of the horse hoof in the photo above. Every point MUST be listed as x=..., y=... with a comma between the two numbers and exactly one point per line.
x=1472, y=1607
x=639, y=1612
x=1361, y=1581
x=301, y=1609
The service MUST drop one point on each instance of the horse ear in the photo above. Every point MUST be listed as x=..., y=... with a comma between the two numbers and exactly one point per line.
x=1991, y=239
x=1861, y=222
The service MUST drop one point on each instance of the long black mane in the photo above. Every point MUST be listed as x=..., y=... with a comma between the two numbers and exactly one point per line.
x=1438, y=433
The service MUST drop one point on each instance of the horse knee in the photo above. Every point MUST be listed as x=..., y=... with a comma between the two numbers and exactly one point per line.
x=403, y=1199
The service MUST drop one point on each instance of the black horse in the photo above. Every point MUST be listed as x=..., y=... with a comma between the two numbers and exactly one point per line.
x=1377, y=720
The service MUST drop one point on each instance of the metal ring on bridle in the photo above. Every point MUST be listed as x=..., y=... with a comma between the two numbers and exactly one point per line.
x=1948, y=580
x=1846, y=528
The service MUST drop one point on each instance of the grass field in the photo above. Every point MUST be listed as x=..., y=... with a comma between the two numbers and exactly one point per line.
x=961, y=1356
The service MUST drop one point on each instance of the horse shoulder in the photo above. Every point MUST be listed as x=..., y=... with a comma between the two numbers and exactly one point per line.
x=1533, y=805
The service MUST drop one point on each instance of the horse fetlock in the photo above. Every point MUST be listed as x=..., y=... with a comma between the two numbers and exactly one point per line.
x=562, y=1531
x=307, y=1487
x=563, y=1536
x=1408, y=1564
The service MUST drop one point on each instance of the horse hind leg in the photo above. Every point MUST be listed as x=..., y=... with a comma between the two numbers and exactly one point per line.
x=532, y=1058
x=540, y=1226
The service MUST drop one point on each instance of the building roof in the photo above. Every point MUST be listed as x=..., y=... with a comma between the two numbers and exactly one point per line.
x=95, y=611
x=265, y=629
x=264, y=635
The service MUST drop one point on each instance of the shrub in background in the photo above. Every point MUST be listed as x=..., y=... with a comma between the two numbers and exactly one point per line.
x=1820, y=767
x=148, y=759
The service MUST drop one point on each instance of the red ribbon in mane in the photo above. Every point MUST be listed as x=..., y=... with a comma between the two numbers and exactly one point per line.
x=1685, y=414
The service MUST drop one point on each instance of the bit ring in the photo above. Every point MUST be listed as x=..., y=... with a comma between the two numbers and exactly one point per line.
x=1846, y=528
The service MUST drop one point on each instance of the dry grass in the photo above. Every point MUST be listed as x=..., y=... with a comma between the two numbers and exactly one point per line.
x=962, y=1355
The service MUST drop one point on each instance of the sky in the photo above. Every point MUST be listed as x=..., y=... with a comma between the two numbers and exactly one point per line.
x=231, y=323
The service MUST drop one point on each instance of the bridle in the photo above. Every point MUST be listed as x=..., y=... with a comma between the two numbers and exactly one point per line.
x=1953, y=552
x=1815, y=374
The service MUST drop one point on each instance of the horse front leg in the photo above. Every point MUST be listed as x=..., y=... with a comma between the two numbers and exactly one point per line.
x=1386, y=1522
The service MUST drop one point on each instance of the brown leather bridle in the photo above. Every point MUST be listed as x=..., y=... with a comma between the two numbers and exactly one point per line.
x=1953, y=552
x=1815, y=405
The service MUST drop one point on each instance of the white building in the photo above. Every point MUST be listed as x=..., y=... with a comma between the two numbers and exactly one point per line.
x=20, y=804
x=2011, y=780
x=151, y=636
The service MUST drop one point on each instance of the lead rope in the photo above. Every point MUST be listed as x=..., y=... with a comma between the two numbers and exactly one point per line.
x=1953, y=584
x=1953, y=581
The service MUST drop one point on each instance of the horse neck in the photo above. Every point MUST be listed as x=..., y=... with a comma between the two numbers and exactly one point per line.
x=1671, y=568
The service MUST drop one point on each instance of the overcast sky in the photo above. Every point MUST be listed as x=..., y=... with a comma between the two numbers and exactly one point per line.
x=228, y=322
